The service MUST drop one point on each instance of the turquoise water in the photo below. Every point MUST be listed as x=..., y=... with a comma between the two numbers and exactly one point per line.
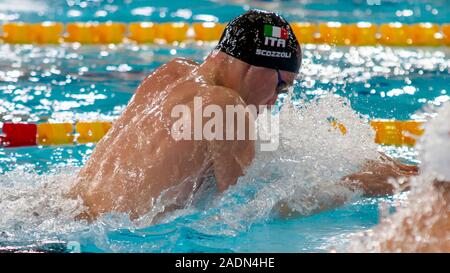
x=65, y=83
x=202, y=10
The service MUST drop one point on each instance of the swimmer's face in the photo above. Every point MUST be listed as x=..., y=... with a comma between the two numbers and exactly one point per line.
x=265, y=84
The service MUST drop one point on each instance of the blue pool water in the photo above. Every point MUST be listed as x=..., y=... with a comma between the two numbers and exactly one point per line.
x=67, y=83
x=375, y=11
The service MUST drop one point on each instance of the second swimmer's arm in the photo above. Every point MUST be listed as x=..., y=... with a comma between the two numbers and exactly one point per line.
x=372, y=180
x=374, y=177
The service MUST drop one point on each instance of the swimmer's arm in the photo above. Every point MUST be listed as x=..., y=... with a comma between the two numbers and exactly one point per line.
x=284, y=210
x=373, y=179
x=230, y=157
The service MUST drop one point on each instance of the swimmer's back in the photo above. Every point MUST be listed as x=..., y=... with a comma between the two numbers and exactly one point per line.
x=166, y=74
x=138, y=158
x=157, y=81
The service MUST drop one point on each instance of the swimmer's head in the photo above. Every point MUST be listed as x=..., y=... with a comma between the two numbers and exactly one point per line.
x=265, y=41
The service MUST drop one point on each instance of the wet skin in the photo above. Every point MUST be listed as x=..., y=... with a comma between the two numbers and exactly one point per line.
x=138, y=159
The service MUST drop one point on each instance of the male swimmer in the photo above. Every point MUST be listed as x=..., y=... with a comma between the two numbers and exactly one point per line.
x=139, y=161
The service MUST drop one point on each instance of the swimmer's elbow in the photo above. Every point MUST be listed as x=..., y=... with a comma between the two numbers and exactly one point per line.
x=224, y=184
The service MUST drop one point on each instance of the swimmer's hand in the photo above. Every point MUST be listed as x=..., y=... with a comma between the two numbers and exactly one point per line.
x=373, y=178
x=284, y=211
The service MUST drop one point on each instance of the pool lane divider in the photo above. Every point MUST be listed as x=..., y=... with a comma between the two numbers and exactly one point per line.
x=388, y=132
x=30, y=134
x=333, y=33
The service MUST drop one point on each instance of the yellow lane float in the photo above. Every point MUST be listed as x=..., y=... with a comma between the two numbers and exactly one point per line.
x=362, y=34
x=18, y=33
x=208, y=31
x=395, y=34
x=391, y=132
x=172, y=32
x=305, y=32
x=425, y=34
x=446, y=34
x=55, y=133
x=340, y=126
x=111, y=33
x=84, y=33
x=334, y=33
x=91, y=131
x=395, y=132
x=48, y=32
x=143, y=32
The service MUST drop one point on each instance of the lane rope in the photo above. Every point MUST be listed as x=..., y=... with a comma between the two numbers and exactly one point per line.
x=388, y=132
x=333, y=33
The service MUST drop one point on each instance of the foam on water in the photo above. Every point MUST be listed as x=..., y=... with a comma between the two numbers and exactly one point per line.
x=304, y=171
x=434, y=147
x=34, y=207
x=36, y=213
x=30, y=200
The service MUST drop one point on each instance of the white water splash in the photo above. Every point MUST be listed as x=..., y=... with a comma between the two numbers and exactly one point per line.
x=33, y=204
x=434, y=147
x=37, y=215
x=305, y=170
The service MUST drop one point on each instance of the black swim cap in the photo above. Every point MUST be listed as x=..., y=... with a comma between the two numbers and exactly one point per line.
x=262, y=38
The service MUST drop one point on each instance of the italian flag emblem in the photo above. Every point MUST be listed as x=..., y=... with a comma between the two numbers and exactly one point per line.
x=277, y=32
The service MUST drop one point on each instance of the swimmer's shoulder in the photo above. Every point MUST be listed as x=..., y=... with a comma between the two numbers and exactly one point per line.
x=184, y=63
x=223, y=96
x=176, y=67
x=167, y=74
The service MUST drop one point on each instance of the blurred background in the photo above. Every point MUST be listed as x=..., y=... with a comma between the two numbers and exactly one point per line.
x=376, y=11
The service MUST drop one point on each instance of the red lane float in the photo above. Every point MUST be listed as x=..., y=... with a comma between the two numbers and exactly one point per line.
x=18, y=134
